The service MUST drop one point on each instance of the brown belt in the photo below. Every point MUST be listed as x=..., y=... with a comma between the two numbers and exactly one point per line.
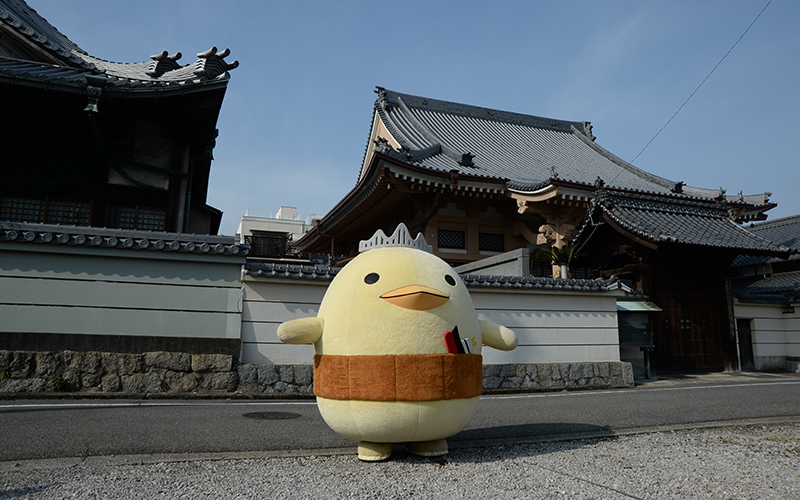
x=401, y=377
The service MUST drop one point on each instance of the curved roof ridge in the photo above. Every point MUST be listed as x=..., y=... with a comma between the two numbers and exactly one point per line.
x=656, y=179
x=480, y=112
x=22, y=18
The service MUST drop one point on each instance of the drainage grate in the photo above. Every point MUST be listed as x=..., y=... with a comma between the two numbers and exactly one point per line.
x=272, y=415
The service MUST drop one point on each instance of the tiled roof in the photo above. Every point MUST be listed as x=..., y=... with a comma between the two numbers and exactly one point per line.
x=523, y=150
x=20, y=17
x=779, y=288
x=72, y=64
x=82, y=236
x=784, y=231
x=327, y=273
x=684, y=221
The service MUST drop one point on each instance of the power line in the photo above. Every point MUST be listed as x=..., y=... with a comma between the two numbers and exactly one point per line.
x=701, y=83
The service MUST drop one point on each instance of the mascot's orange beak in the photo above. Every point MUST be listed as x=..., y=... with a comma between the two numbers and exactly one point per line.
x=416, y=297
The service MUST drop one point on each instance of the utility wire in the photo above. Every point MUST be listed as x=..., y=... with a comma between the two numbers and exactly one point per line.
x=701, y=83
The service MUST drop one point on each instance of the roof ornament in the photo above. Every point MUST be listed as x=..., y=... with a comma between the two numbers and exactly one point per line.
x=741, y=196
x=587, y=130
x=94, y=89
x=400, y=238
x=678, y=188
x=599, y=183
x=553, y=173
x=382, y=145
x=766, y=196
x=466, y=160
x=212, y=64
x=381, y=101
x=163, y=62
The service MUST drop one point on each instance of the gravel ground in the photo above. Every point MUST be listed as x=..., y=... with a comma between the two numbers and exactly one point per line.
x=723, y=463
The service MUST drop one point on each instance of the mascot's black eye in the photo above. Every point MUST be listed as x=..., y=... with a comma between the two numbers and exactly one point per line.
x=450, y=280
x=371, y=278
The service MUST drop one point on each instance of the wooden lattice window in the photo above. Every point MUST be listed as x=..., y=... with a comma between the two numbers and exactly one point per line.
x=141, y=218
x=48, y=211
x=266, y=245
x=449, y=238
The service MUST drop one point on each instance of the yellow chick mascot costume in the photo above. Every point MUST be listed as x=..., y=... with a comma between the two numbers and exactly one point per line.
x=398, y=348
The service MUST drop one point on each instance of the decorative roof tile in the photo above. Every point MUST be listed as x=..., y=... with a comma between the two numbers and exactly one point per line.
x=122, y=239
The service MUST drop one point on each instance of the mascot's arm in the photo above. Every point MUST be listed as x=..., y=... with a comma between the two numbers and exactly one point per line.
x=498, y=336
x=300, y=331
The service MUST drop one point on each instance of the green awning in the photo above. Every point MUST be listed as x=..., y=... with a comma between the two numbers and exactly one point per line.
x=637, y=306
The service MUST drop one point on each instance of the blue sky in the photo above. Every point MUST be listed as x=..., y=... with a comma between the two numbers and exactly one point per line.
x=294, y=123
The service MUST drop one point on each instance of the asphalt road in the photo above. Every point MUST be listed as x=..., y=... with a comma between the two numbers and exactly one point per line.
x=42, y=429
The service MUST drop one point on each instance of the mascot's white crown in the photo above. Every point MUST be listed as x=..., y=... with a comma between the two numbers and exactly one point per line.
x=400, y=238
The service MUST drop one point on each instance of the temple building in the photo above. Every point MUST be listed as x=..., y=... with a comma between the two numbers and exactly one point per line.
x=106, y=240
x=479, y=182
x=92, y=142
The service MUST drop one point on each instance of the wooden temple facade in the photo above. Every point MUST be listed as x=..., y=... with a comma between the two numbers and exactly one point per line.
x=91, y=142
x=478, y=182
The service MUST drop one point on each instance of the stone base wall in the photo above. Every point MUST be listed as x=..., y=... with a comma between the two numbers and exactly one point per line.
x=165, y=373
x=102, y=372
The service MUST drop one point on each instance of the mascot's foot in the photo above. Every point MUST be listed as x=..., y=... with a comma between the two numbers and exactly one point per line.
x=374, y=452
x=428, y=448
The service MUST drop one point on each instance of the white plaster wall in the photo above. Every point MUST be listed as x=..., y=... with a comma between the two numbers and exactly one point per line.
x=64, y=290
x=776, y=333
x=551, y=326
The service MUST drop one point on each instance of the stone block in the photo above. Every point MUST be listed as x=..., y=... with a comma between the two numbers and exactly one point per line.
x=134, y=383
x=286, y=373
x=5, y=360
x=219, y=381
x=588, y=371
x=181, y=381
x=575, y=371
x=26, y=385
x=603, y=369
x=111, y=383
x=73, y=379
x=46, y=364
x=267, y=374
x=154, y=381
x=91, y=362
x=557, y=372
x=212, y=362
x=491, y=371
x=175, y=361
x=72, y=360
x=492, y=382
x=303, y=374
x=545, y=372
x=121, y=364
x=627, y=374
x=281, y=387
x=248, y=374
x=512, y=383
x=90, y=379
x=21, y=365
x=508, y=370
